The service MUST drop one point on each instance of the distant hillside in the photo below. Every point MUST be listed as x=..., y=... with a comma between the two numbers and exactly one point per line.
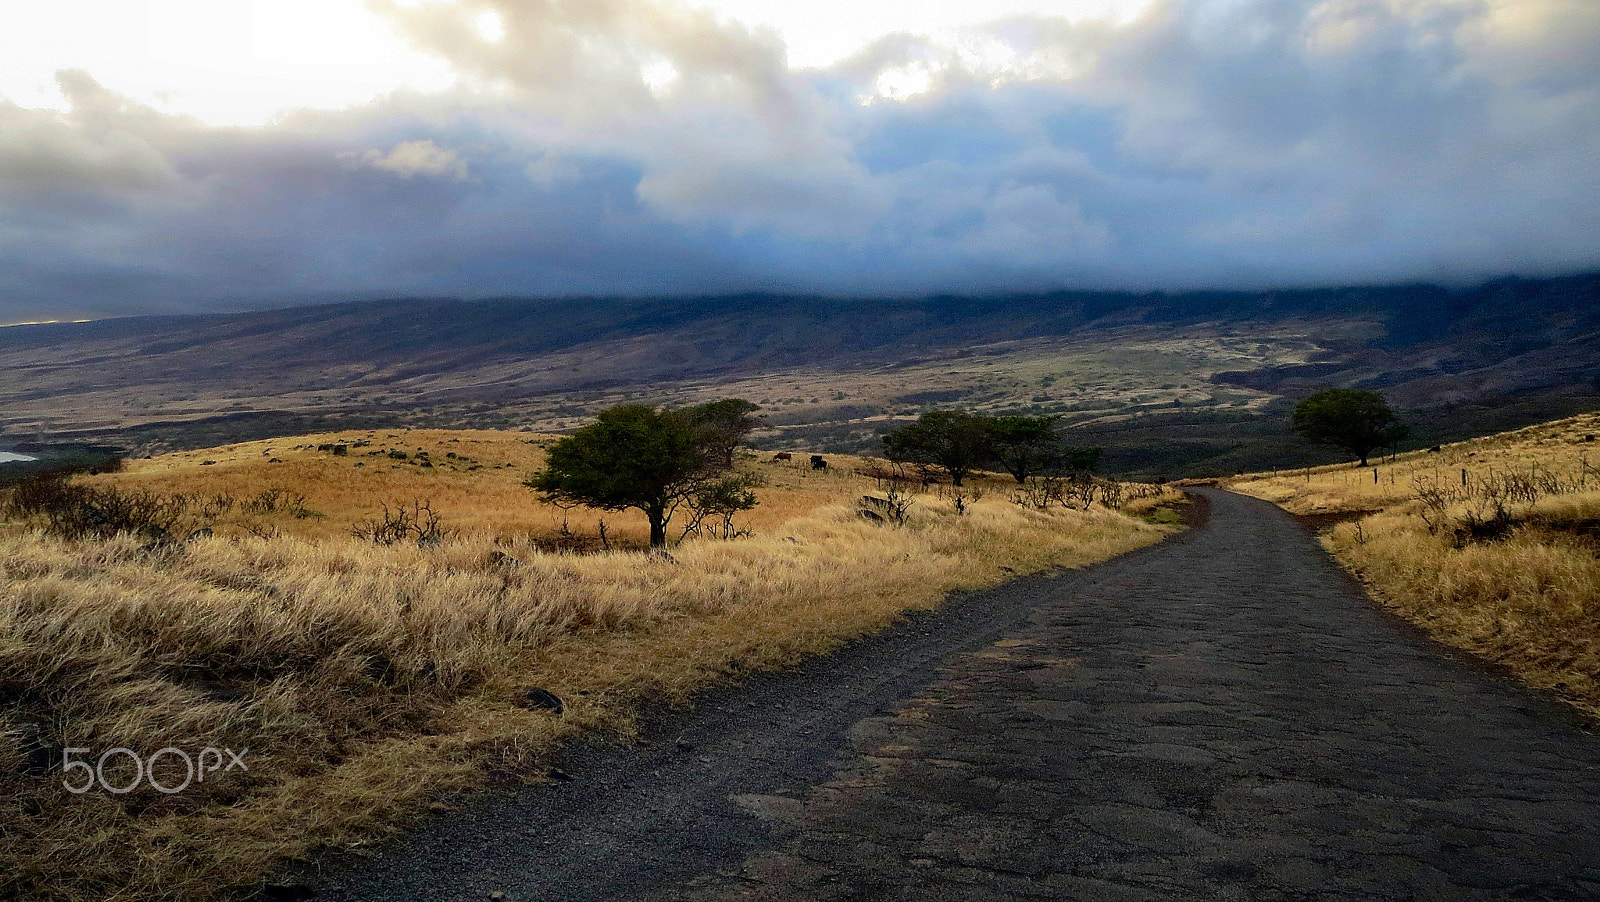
x=1174, y=382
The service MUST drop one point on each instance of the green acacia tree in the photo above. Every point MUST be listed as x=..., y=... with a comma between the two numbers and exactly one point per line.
x=1024, y=446
x=722, y=425
x=954, y=441
x=1076, y=460
x=1355, y=420
x=632, y=457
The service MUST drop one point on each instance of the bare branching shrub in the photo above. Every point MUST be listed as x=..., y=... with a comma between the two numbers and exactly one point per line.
x=713, y=507
x=1139, y=491
x=72, y=511
x=1081, y=490
x=893, y=508
x=417, y=521
x=890, y=471
x=1040, y=492
x=1436, y=497
x=569, y=541
x=1485, y=507
x=1519, y=488
x=35, y=495
x=215, y=506
x=1486, y=514
x=1548, y=482
x=279, y=500
x=263, y=530
x=1111, y=494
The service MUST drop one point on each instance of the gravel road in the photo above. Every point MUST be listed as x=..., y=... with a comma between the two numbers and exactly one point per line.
x=1222, y=716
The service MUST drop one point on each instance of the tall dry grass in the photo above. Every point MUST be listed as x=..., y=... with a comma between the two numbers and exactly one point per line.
x=1503, y=562
x=1558, y=448
x=478, y=489
x=368, y=682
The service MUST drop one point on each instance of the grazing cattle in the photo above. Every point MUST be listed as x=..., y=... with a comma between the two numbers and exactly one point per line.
x=818, y=462
x=783, y=455
x=1435, y=449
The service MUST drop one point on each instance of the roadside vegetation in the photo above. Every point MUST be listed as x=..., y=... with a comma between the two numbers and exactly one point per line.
x=384, y=618
x=953, y=444
x=1491, y=545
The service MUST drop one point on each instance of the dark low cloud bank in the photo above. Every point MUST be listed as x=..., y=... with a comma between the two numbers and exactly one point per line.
x=629, y=148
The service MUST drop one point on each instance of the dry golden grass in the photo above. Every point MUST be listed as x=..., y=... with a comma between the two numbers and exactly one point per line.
x=368, y=682
x=1513, y=577
x=480, y=490
x=1557, y=448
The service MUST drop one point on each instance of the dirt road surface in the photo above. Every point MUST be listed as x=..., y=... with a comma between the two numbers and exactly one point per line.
x=1223, y=716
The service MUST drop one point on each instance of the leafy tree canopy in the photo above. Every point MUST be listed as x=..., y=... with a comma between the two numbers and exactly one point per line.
x=954, y=441
x=1352, y=419
x=1078, y=459
x=632, y=456
x=1024, y=446
x=721, y=425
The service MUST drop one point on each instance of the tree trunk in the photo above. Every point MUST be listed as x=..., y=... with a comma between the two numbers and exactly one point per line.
x=658, y=526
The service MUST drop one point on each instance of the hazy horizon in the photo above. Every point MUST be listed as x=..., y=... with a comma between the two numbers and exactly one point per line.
x=267, y=306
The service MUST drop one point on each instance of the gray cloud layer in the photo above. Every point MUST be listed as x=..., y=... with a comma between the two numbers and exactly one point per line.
x=624, y=146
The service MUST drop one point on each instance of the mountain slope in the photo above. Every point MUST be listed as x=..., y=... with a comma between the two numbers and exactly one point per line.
x=829, y=371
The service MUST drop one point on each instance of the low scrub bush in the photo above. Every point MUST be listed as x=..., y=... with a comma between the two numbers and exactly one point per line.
x=894, y=505
x=72, y=511
x=415, y=522
x=277, y=500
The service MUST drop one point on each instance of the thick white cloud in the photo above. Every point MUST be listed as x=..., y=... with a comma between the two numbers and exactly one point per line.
x=636, y=147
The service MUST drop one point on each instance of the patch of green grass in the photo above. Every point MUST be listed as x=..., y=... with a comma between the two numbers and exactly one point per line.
x=1165, y=516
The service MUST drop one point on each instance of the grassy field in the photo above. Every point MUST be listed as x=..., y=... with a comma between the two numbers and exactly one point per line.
x=473, y=479
x=1492, y=545
x=369, y=682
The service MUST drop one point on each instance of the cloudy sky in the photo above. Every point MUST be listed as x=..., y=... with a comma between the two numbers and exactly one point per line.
x=206, y=154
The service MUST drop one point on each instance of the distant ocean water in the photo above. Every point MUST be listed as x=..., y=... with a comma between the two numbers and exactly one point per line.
x=9, y=456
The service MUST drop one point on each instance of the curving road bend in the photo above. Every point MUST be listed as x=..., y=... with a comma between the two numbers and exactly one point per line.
x=1223, y=716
